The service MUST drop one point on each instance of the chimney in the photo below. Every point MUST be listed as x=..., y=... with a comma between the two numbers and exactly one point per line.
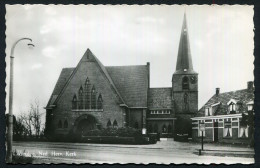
x=217, y=91
x=250, y=85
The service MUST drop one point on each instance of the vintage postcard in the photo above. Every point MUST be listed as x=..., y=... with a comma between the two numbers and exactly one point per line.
x=129, y=84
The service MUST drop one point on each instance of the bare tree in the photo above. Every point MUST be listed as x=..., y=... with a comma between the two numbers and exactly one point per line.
x=35, y=115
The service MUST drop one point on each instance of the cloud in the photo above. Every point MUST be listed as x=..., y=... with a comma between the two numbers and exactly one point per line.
x=36, y=66
x=49, y=52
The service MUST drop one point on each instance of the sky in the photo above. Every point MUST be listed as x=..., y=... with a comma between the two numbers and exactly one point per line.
x=221, y=42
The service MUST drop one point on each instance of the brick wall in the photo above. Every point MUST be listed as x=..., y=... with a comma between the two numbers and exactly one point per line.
x=111, y=108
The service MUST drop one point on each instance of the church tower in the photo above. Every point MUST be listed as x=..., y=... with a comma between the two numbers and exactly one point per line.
x=184, y=85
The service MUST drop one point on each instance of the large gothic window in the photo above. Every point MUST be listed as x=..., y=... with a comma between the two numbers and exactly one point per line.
x=185, y=83
x=87, y=94
x=81, y=98
x=93, y=98
x=86, y=98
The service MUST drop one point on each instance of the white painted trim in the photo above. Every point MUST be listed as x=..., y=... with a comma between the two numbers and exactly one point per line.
x=219, y=117
x=232, y=100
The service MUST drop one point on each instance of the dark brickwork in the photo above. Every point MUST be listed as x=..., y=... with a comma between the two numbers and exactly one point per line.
x=111, y=108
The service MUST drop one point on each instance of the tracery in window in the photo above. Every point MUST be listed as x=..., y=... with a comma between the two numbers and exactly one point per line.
x=93, y=98
x=86, y=98
x=87, y=94
x=81, y=98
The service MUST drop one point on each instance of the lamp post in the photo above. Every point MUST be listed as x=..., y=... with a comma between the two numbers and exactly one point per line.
x=10, y=117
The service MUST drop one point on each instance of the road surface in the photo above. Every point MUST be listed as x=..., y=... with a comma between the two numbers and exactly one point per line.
x=164, y=152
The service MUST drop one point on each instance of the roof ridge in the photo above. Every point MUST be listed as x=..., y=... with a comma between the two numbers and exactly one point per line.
x=160, y=88
x=124, y=66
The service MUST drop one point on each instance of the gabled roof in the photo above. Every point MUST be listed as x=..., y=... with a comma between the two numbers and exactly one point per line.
x=131, y=82
x=242, y=96
x=184, y=61
x=88, y=56
x=159, y=98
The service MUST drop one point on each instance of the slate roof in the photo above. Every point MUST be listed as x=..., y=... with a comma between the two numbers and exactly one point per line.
x=184, y=60
x=159, y=98
x=131, y=82
x=241, y=96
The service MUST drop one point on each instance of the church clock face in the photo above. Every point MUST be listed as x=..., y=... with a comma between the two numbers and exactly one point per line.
x=193, y=79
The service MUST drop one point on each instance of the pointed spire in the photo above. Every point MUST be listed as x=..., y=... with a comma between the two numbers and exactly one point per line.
x=184, y=61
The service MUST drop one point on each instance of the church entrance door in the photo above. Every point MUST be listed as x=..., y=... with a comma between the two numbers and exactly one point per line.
x=85, y=124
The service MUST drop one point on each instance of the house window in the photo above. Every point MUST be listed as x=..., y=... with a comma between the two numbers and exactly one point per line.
x=74, y=102
x=115, y=124
x=232, y=108
x=93, y=98
x=227, y=129
x=185, y=83
x=207, y=112
x=66, y=124
x=243, y=132
x=99, y=103
x=60, y=124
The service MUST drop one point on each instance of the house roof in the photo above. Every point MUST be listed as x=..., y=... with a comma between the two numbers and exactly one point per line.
x=159, y=98
x=242, y=96
x=131, y=82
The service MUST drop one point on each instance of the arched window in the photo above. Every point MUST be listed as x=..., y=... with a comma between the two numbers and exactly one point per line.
x=74, y=102
x=164, y=130
x=136, y=125
x=93, y=98
x=185, y=83
x=60, y=124
x=156, y=128
x=115, y=124
x=81, y=98
x=66, y=124
x=109, y=124
x=99, y=102
x=87, y=94
x=169, y=128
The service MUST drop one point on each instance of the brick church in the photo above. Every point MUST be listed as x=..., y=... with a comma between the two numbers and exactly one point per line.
x=94, y=96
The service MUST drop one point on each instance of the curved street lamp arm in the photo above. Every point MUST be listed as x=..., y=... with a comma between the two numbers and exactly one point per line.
x=13, y=46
